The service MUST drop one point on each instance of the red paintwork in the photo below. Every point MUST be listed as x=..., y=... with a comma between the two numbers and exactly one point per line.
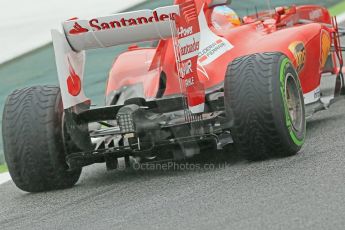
x=132, y=67
x=259, y=36
x=77, y=29
x=73, y=81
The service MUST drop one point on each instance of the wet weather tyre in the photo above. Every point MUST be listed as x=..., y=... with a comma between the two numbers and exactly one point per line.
x=33, y=140
x=264, y=103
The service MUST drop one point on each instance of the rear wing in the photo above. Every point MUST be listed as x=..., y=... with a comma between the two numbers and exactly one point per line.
x=117, y=29
x=79, y=35
x=162, y=23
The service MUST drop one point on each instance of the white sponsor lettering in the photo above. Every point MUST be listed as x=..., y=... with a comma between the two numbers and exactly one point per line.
x=190, y=82
x=316, y=14
x=183, y=32
x=186, y=68
x=189, y=46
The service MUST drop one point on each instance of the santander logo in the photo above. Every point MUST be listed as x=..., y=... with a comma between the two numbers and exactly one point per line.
x=78, y=29
x=73, y=81
x=97, y=24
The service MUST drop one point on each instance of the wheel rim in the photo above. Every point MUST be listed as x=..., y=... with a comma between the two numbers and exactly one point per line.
x=294, y=102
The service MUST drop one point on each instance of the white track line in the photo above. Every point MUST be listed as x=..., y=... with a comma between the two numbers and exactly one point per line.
x=5, y=177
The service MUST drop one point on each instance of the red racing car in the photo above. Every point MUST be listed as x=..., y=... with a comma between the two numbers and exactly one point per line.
x=209, y=78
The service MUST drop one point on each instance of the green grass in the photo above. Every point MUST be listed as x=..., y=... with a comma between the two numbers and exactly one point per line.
x=338, y=8
x=3, y=168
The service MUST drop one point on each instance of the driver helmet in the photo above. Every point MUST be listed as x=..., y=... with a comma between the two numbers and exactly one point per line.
x=223, y=17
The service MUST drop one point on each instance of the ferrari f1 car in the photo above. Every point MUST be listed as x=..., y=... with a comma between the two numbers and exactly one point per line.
x=210, y=79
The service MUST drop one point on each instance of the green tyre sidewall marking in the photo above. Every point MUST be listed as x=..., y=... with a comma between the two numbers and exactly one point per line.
x=295, y=139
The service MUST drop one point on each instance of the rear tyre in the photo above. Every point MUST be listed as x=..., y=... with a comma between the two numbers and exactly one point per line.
x=33, y=140
x=264, y=101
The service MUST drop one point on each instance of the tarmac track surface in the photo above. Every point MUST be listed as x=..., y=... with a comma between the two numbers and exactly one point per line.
x=306, y=191
x=301, y=192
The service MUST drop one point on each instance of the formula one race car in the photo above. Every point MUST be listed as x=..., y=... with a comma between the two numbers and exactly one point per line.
x=210, y=78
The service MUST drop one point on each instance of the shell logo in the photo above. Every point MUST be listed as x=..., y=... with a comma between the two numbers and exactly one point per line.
x=325, y=47
x=300, y=54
